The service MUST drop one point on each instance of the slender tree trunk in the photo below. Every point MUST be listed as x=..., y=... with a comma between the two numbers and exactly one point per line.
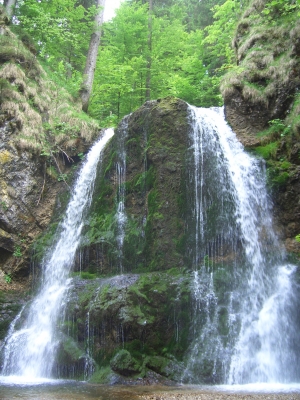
x=149, y=60
x=91, y=59
x=9, y=7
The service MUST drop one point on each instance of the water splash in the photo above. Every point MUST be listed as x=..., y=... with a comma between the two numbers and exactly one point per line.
x=30, y=351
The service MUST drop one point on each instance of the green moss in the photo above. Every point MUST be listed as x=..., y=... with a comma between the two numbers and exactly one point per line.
x=101, y=376
x=268, y=151
x=87, y=275
x=278, y=174
x=280, y=179
x=137, y=348
x=157, y=364
x=124, y=364
x=44, y=241
x=223, y=326
x=142, y=182
x=222, y=283
x=87, y=294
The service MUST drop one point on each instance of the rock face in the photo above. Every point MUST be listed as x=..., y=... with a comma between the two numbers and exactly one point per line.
x=26, y=208
x=287, y=210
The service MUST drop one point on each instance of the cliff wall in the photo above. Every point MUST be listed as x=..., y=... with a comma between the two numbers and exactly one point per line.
x=261, y=96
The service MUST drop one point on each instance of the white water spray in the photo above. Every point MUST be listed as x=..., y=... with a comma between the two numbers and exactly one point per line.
x=30, y=351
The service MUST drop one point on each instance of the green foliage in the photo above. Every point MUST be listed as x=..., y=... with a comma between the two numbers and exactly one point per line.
x=297, y=238
x=17, y=252
x=277, y=128
x=275, y=8
x=7, y=278
x=61, y=32
x=181, y=58
x=62, y=177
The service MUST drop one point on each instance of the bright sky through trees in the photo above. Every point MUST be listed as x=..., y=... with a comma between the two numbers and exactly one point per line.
x=110, y=7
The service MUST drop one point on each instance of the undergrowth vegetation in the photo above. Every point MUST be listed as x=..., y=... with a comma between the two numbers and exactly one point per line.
x=42, y=115
x=267, y=78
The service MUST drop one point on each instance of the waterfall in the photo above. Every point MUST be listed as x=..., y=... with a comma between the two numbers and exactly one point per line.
x=245, y=299
x=30, y=350
x=121, y=177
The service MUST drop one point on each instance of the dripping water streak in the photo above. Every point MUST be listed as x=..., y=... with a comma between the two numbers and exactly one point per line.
x=121, y=177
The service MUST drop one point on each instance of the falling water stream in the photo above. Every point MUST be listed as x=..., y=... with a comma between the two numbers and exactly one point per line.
x=245, y=331
x=30, y=350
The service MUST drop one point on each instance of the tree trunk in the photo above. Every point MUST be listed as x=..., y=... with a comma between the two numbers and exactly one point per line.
x=149, y=60
x=9, y=7
x=91, y=59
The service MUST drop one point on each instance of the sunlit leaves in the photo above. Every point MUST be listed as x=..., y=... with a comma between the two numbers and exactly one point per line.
x=60, y=28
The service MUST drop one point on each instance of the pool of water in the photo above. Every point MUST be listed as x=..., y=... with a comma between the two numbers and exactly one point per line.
x=47, y=389
x=62, y=390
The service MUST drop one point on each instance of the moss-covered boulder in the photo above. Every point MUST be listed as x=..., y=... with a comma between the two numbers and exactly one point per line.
x=124, y=364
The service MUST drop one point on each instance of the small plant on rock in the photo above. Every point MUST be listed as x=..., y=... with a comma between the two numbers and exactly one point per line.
x=4, y=206
x=297, y=238
x=17, y=252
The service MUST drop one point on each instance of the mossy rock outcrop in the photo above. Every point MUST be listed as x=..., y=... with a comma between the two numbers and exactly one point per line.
x=124, y=364
x=155, y=143
x=266, y=82
x=131, y=318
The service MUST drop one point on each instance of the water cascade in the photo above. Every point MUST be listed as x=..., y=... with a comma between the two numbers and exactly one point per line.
x=245, y=296
x=30, y=350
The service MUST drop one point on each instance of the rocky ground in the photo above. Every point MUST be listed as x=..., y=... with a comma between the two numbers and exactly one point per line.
x=203, y=395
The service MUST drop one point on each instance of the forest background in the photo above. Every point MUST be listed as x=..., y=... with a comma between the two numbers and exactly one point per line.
x=176, y=48
x=150, y=49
